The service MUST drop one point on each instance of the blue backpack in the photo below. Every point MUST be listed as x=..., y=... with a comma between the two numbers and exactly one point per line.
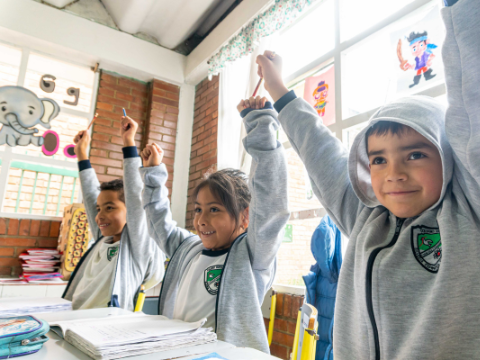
x=21, y=335
x=321, y=282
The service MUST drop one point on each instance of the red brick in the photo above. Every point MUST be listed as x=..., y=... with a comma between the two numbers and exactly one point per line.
x=107, y=146
x=98, y=169
x=20, y=250
x=110, y=100
x=44, y=228
x=166, y=146
x=6, y=251
x=48, y=243
x=109, y=78
x=117, y=140
x=210, y=154
x=204, y=134
x=3, y=226
x=207, y=92
x=200, y=103
x=132, y=84
x=139, y=93
x=297, y=302
x=157, y=113
x=291, y=327
x=34, y=227
x=123, y=89
x=283, y=339
x=115, y=155
x=13, y=227
x=159, y=92
x=163, y=130
x=287, y=305
x=154, y=136
x=279, y=307
x=114, y=171
x=9, y=262
x=106, y=162
x=168, y=161
x=206, y=164
x=165, y=101
x=101, y=137
x=279, y=351
x=103, y=178
x=104, y=122
x=55, y=229
x=97, y=152
x=159, y=107
x=24, y=227
x=17, y=242
x=173, y=96
x=172, y=110
x=125, y=97
x=104, y=106
x=107, y=130
x=107, y=92
x=170, y=139
x=164, y=86
x=280, y=324
x=171, y=117
x=170, y=124
x=135, y=106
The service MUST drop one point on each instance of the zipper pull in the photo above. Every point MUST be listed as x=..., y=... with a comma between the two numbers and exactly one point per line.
x=399, y=226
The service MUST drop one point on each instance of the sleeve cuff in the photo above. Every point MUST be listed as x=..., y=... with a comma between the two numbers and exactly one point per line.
x=245, y=112
x=284, y=100
x=84, y=165
x=130, y=152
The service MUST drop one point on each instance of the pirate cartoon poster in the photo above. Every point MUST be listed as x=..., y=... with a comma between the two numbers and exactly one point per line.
x=320, y=93
x=417, y=53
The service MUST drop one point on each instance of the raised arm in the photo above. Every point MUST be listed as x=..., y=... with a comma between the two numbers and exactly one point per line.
x=143, y=250
x=162, y=228
x=88, y=181
x=461, y=54
x=268, y=211
x=324, y=156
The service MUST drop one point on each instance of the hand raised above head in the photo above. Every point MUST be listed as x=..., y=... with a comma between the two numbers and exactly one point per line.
x=81, y=141
x=252, y=103
x=128, y=130
x=152, y=155
x=270, y=69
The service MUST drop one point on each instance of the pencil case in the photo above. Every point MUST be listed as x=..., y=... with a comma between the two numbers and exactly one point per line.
x=21, y=335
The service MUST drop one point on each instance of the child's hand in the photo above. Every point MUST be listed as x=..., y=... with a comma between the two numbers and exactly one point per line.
x=129, y=129
x=81, y=141
x=152, y=155
x=253, y=103
x=270, y=69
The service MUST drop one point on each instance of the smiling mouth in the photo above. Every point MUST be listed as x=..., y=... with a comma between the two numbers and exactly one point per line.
x=207, y=233
x=102, y=226
x=401, y=193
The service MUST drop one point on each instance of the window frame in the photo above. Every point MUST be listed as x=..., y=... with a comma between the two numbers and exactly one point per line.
x=7, y=156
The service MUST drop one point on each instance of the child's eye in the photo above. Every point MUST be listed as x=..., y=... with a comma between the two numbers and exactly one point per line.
x=416, y=156
x=98, y=210
x=214, y=209
x=198, y=210
x=378, y=161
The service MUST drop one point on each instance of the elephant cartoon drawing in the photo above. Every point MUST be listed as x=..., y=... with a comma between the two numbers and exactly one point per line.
x=20, y=111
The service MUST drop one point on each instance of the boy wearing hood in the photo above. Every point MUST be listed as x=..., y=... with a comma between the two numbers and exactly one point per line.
x=408, y=198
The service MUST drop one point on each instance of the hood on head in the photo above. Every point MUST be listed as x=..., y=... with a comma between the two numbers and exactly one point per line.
x=423, y=114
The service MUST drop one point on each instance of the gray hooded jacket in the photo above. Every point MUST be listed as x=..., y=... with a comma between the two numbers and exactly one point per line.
x=250, y=265
x=399, y=296
x=139, y=259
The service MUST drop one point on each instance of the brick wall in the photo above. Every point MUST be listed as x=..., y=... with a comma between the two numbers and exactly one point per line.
x=204, y=138
x=161, y=125
x=18, y=235
x=285, y=322
x=116, y=92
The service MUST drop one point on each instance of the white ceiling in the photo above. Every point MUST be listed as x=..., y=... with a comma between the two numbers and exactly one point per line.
x=166, y=22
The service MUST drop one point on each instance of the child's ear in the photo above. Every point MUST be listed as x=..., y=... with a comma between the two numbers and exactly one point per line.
x=246, y=217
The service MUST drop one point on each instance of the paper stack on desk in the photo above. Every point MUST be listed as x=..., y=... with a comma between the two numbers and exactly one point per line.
x=22, y=306
x=130, y=335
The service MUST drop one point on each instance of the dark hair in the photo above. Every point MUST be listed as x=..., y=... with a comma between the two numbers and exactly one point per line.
x=414, y=35
x=382, y=128
x=230, y=187
x=114, y=185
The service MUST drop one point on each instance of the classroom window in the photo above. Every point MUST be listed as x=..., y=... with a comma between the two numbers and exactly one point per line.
x=32, y=184
x=367, y=65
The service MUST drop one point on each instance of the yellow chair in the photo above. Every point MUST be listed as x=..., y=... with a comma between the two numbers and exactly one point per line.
x=273, y=307
x=140, y=299
x=308, y=343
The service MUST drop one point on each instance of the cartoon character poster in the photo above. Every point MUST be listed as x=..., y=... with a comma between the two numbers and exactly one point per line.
x=320, y=93
x=418, y=63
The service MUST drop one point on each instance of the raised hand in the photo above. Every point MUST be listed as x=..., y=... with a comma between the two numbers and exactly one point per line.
x=253, y=103
x=270, y=69
x=128, y=129
x=81, y=141
x=152, y=155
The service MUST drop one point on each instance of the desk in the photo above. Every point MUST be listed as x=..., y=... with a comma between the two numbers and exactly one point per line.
x=58, y=349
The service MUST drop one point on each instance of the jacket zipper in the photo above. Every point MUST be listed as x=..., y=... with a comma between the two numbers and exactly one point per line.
x=371, y=260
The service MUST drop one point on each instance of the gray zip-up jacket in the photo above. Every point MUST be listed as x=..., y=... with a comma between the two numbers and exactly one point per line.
x=250, y=264
x=139, y=259
x=408, y=288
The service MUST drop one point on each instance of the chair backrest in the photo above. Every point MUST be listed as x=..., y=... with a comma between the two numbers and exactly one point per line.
x=305, y=339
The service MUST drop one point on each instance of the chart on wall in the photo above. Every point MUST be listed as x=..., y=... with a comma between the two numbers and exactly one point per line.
x=320, y=93
x=417, y=54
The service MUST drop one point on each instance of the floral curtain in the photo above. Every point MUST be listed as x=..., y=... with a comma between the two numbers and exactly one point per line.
x=281, y=14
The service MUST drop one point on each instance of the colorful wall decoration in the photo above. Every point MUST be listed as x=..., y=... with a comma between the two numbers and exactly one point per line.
x=320, y=93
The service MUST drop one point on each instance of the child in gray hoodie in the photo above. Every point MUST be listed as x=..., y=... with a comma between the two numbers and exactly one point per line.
x=123, y=256
x=408, y=197
x=223, y=273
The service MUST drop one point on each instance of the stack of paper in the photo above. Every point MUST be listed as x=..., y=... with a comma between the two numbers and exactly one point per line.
x=22, y=306
x=41, y=265
x=130, y=335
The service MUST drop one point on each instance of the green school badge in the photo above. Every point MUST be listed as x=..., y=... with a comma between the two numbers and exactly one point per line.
x=111, y=252
x=427, y=247
x=212, y=278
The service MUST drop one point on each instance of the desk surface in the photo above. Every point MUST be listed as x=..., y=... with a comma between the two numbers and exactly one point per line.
x=57, y=348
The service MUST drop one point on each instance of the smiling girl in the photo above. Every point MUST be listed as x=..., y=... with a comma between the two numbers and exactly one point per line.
x=223, y=273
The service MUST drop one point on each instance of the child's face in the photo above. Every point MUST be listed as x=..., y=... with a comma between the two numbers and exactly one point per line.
x=213, y=223
x=418, y=48
x=111, y=214
x=406, y=172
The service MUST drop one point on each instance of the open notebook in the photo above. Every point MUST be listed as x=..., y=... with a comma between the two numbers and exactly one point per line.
x=135, y=334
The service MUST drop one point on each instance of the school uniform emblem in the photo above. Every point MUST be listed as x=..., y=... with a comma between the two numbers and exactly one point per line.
x=427, y=247
x=212, y=277
x=111, y=252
